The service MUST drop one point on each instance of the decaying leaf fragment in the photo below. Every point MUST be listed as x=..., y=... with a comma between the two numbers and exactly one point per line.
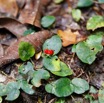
x=31, y=13
x=1, y=51
x=13, y=25
x=9, y=7
x=36, y=39
x=68, y=37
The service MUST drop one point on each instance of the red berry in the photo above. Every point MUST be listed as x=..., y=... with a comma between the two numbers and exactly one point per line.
x=46, y=51
x=49, y=52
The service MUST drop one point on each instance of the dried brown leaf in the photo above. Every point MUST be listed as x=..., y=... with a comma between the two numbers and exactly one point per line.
x=68, y=37
x=1, y=51
x=9, y=7
x=31, y=13
x=36, y=39
x=13, y=26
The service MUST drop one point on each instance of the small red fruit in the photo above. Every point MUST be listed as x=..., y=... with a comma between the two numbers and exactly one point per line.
x=49, y=52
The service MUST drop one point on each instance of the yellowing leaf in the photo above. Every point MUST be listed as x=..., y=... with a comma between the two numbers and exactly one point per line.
x=68, y=37
x=95, y=22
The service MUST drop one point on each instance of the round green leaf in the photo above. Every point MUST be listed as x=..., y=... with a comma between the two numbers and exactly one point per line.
x=54, y=43
x=80, y=85
x=26, y=50
x=64, y=70
x=85, y=3
x=47, y=21
x=38, y=75
x=84, y=53
x=61, y=87
x=51, y=63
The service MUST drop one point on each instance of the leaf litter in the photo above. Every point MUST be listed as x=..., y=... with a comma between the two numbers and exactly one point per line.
x=19, y=16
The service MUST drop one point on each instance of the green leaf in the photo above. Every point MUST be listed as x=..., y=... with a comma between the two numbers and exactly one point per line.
x=29, y=31
x=13, y=92
x=26, y=50
x=51, y=63
x=80, y=85
x=1, y=100
x=93, y=90
x=95, y=22
x=24, y=69
x=64, y=70
x=3, y=90
x=38, y=75
x=87, y=50
x=101, y=96
x=74, y=48
x=47, y=21
x=61, y=100
x=94, y=42
x=26, y=87
x=84, y=3
x=54, y=43
x=76, y=13
x=61, y=87
x=58, y=1
x=84, y=53
x=101, y=1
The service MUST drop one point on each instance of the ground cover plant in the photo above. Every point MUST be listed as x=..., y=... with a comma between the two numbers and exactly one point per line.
x=51, y=51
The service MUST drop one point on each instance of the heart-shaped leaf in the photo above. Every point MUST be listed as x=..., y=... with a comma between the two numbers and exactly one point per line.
x=61, y=87
x=64, y=70
x=26, y=50
x=80, y=85
x=95, y=22
x=12, y=89
x=51, y=63
x=26, y=87
x=54, y=43
x=38, y=75
x=14, y=94
x=84, y=3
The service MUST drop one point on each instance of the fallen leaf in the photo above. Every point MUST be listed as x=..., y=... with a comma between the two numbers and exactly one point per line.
x=68, y=37
x=14, y=26
x=36, y=39
x=31, y=13
x=9, y=7
x=1, y=51
x=21, y=3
